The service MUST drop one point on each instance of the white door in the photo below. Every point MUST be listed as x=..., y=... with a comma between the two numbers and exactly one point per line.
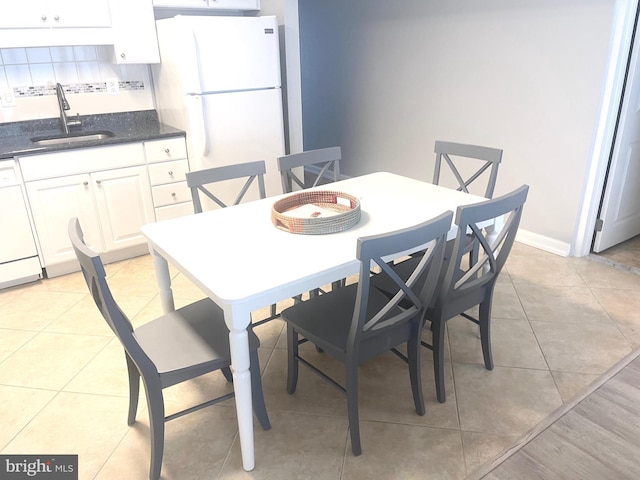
x=620, y=211
x=238, y=127
x=123, y=198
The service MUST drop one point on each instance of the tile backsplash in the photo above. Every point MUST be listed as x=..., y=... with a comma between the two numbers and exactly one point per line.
x=84, y=71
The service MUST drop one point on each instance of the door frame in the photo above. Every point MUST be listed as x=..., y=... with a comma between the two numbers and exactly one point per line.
x=619, y=48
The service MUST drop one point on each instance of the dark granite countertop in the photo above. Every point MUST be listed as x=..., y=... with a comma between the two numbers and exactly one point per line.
x=15, y=137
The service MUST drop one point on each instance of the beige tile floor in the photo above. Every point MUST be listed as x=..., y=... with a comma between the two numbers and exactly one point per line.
x=624, y=255
x=558, y=324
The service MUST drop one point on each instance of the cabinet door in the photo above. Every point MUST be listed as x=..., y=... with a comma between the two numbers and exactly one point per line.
x=79, y=13
x=235, y=4
x=123, y=197
x=56, y=13
x=53, y=202
x=31, y=14
x=134, y=32
x=213, y=4
x=181, y=3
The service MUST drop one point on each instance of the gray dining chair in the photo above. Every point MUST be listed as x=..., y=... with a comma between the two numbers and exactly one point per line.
x=468, y=280
x=202, y=182
x=357, y=323
x=173, y=348
x=294, y=168
x=458, y=157
x=470, y=161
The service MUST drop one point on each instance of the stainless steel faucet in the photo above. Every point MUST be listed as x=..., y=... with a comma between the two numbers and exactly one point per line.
x=64, y=106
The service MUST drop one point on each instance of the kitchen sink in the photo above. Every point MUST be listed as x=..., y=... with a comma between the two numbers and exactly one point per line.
x=72, y=137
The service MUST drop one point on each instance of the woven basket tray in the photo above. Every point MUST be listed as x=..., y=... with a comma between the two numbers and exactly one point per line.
x=316, y=212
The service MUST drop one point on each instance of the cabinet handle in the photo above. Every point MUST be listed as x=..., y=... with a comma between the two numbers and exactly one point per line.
x=85, y=183
x=173, y=194
x=98, y=182
x=44, y=18
x=56, y=18
x=166, y=150
x=123, y=55
x=171, y=173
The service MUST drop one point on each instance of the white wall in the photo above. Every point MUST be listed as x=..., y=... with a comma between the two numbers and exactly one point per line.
x=31, y=74
x=384, y=80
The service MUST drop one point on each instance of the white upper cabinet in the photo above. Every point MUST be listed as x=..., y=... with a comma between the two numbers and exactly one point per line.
x=42, y=23
x=209, y=4
x=134, y=32
x=56, y=14
x=127, y=27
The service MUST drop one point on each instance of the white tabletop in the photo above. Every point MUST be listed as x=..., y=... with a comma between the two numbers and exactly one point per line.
x=237, y=255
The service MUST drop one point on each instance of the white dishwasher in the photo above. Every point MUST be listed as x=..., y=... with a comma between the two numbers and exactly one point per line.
x=19, y=262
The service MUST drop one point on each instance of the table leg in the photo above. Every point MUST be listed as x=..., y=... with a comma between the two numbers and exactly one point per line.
x=240, y=362
x=164, y=281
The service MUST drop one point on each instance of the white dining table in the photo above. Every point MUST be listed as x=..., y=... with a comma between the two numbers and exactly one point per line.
x=243, y=262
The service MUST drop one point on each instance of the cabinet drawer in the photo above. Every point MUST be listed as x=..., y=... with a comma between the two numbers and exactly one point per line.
x=82, y=160
x=168, y=172
x=170, y=194
x=165, y=149
x=174, y=211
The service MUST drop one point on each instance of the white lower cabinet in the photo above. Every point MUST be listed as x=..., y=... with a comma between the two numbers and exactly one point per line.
x=112, y=201
x=111, y=205
x=124, y=205
x=168, y=165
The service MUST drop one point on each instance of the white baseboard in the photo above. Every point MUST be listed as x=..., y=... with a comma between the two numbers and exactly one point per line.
x=115, y=256
x=535, y=240
x=547, y=244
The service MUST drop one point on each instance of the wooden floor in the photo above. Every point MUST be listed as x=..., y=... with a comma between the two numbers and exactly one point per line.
x=594, y=436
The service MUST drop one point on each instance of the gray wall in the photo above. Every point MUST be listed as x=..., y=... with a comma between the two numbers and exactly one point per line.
x=385, y=79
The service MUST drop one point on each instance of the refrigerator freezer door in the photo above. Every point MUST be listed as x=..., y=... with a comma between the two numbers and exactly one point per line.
x=238, y=127
x=234, y=53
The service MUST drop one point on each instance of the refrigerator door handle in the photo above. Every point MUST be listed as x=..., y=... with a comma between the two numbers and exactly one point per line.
x=197, y=123
x=204, y=133
x=196, y=46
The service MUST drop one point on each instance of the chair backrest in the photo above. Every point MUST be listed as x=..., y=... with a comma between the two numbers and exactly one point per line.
x=411, y=297
x=479, y=253
x=326, y=159
x=490, y=158
x=95, y=278
x=201, y=180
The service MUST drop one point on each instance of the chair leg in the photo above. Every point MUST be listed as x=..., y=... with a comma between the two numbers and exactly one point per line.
x=134, y=389
x=257, y=395
x=484, y=317
x=226, y=371
x=292, y=359
x=438, y=328
x=155, y=404
x=415, y=372
x=352, y=407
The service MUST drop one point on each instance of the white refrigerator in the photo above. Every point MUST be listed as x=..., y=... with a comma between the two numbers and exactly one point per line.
x=219, y=81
